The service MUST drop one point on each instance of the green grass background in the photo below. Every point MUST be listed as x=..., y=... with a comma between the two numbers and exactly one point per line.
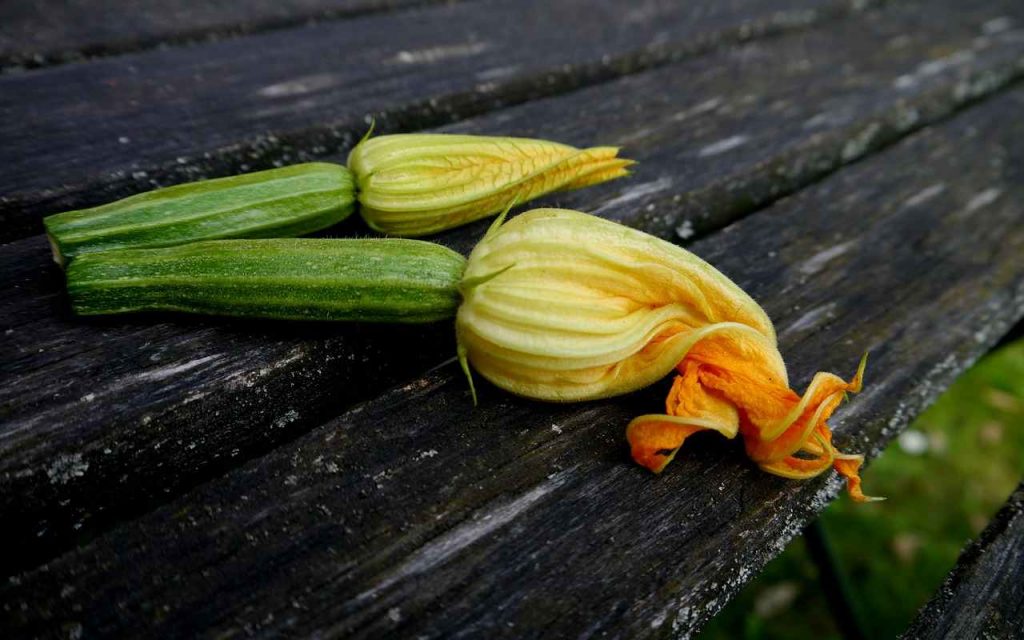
x=944, y=482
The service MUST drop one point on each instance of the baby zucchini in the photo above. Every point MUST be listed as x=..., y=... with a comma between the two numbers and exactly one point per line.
x=289, y=201
x=380, y=280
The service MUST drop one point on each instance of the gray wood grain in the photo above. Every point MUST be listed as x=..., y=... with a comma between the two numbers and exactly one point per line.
x=983, y=597
x=82, y=134
x=418, y=515
x=47, y=32
x=102, y=419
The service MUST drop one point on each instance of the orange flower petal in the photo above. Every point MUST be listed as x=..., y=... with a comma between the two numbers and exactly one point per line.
x=654, y=439
x=785, y=433
x=848, y=466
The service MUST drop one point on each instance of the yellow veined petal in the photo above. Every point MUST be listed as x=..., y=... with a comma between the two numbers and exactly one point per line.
x=416, y=184
x=588, y=308
x=559, y=247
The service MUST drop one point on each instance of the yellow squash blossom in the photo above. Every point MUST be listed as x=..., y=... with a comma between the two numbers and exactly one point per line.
x=564, y=306
x=418, y=184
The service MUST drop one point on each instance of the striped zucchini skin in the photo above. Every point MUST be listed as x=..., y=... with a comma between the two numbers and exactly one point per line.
x=377, y=280
x=285, y=202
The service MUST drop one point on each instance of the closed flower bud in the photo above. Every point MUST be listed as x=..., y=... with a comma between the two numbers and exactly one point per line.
x=564, y=306
x=418, y=184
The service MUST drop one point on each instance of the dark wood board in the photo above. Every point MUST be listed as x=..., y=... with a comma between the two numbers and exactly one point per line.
x=81, y=134
x=418, y=515
x=102, y=419
x=45, y=32
x=983, y=597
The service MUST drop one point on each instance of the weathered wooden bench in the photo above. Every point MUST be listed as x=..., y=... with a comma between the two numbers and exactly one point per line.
x=857, y=166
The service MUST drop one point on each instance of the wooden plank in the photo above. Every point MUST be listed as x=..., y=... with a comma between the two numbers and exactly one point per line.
x=82, y=134
x=106, y=418
x=983, y=597
x=57, y=31
x=419, y=515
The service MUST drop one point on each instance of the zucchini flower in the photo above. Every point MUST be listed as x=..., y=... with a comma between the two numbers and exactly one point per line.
x=564, y=306
x=418, y=184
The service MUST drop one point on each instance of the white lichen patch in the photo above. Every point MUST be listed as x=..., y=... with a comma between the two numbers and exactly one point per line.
x=172, y=370
x=828, y=119
x=811, y=319
x=659, y=619
x=287, y=418
x=723, y=146
x=635, y=193
x=907, y=118
x=858, y=145
x=497, y=73
x=818, y=261
x=249, y=378
x=437, y=54
x=702, y=107
x=933, y=68
x=924, y=195
x=997, y=25
x=300, y=86
x=685, y=230
x=66, y=468
x=983, y=199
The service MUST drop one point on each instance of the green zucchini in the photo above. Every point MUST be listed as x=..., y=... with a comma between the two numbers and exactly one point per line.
x=289, y=201
x=377, y=280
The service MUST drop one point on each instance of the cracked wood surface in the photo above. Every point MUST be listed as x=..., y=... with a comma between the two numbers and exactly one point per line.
x=45, y=32
x=82, y=134
x=107, y=418
x=983, y=597
x=417, y=514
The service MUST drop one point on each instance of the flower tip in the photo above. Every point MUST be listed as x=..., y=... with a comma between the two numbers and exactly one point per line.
x=462, y=355
x=369, y=131
x=858, y=378
x=621, y=169
x=857, y=496
x=468, y=284
x=654, y=460
x=654, y=441
x=848, y=466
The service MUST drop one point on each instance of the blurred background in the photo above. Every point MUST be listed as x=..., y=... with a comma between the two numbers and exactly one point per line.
x=944, y=477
